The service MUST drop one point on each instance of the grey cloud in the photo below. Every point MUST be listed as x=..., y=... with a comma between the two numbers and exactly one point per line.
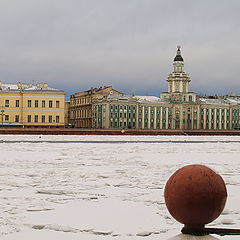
x=130, y=44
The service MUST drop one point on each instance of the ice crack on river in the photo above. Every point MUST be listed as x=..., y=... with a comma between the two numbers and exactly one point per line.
x=89, y=187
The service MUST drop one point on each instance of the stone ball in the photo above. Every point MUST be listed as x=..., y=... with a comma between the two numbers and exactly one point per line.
x=195, y=195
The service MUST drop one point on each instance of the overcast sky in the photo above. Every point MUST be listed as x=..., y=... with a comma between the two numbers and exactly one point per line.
x=74, y=45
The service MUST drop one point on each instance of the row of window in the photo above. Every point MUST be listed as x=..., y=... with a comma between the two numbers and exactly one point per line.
x=81, y=101
x=35, y=119
x=36, y=103
x=83, y=113
x=122, y=107
x=123, y=115
x=122, y=124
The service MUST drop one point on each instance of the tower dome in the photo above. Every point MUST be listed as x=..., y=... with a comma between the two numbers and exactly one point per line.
x=178, y=56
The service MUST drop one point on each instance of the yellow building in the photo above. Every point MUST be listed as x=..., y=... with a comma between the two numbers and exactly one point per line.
x=81, y=105
x=31, y=105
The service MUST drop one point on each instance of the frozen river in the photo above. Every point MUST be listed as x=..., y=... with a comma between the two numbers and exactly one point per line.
x=104, y=187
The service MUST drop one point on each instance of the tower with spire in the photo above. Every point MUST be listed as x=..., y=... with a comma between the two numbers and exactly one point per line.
x=178, y=82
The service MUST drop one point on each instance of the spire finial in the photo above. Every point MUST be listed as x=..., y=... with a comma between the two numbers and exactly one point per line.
x=178, y=56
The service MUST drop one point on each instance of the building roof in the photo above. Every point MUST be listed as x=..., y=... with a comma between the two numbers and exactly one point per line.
x=93, y=91
x=139, y=99
x=27, y=87
x=220, y=102
x=148, y=99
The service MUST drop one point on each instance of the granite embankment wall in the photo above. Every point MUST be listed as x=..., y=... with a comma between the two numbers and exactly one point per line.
x=82, y=131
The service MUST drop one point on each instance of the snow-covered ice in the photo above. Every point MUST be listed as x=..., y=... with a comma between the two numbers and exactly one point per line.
x=105, y=187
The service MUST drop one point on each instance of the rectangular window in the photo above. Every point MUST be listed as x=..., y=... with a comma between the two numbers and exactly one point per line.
x=50, y=118
x=6, y=103
x=36, y=118
x=50, y=103
x=29, y=118
x=6, y=118
x=43, y=118
x=17, y=103
x=36, y=103
x=57, y=119
x=57, y=104
x=43, y=104
x=16, y=118
x=29, y=103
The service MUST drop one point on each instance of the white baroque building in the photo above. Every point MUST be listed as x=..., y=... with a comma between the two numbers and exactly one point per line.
x=176, y=109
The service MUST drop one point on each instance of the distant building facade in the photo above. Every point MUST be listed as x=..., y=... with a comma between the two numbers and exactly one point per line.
x=81, y=105
x=176, y=109
x=31, y=105
x=67, y=114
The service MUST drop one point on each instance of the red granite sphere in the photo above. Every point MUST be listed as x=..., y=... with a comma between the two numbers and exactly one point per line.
x=195, y=195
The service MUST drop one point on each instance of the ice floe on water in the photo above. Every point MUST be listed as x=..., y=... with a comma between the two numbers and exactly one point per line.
x=104, y=187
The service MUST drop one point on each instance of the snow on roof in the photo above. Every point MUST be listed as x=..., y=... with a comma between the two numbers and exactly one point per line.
x=233, y=101
x=147, y=98
x=223, y=102
x=9, y=87
x=26, y=87
x=133, y=98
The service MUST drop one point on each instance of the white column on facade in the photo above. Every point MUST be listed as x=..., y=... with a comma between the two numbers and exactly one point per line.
x=181, y=86
x=230, y=118
x=210, y=118
x=198, y=117
x=155, y=118
x=149, y=115
x=137, y=118
x=220, y=118
x=192, y=117
x=105, y=115
x=225, y=120
x=204, y=118
x=180, y=117
x=161, y=118
x=215, y=118
x=143, y=117
x=187, y=87
x=166, y=117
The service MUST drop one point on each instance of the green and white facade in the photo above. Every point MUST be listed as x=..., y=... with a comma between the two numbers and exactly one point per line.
x=176, y=109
